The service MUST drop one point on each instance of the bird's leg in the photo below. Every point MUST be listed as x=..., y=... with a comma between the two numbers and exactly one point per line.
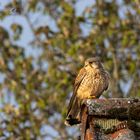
x=91, y=97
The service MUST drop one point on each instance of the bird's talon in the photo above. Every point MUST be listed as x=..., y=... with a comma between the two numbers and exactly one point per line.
x=92, y=97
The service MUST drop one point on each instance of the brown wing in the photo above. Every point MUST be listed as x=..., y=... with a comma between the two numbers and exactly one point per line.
x=78, y=81
x=103, y=87
x=107, y=80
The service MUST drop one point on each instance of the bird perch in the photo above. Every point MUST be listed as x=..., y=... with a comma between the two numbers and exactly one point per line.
x=103, y=119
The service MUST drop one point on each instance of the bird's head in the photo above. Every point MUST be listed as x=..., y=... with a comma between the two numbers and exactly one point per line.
x=93, y=62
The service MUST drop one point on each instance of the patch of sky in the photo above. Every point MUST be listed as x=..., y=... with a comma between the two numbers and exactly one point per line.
x=56, y=116
x=46, y=129
x=33, y=105
x=48, y=138
x=73, y=130
x=126, y=85
x=3, y=3
x=44, y=85
x=10, y=65
x=3, y=125
x=81, y=5
x=26, y=36
x=35, y=64
x=8, y=98
x=85, y=28
x=106, y=43
x=2, y=77
x=40, y=18
x=6, y=134
x=44, y=65
x=27, y=123
x=3, y=116
x=46, y=20
x=37, y=112
x=33, y=51
x=123, y=9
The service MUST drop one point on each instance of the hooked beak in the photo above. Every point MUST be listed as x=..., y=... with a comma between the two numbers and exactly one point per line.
x=90, y=63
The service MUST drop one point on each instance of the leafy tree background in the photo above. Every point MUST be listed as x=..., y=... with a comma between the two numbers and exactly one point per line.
x=36, y=78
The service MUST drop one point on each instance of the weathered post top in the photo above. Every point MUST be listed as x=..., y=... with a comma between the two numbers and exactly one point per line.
x=107, y=119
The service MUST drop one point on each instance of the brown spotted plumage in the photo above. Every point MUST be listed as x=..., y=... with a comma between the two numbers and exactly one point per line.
x=90, y=82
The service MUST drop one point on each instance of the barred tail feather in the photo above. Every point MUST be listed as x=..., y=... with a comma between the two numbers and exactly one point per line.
x=73, y=113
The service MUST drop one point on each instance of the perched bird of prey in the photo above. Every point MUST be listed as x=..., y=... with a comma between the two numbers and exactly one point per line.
x=90, y=83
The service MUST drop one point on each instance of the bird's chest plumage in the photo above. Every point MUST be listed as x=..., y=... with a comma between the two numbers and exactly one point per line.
x=92, y=84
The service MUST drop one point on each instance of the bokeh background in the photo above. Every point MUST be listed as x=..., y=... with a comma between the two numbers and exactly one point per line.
x=43, y=44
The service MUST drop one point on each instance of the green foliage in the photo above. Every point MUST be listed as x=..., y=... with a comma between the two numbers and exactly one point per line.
x=40, y=94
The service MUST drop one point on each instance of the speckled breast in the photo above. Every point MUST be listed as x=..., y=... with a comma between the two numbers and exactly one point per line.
x=92, y=84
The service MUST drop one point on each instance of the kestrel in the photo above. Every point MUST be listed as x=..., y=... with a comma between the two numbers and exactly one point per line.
x=90, y=83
